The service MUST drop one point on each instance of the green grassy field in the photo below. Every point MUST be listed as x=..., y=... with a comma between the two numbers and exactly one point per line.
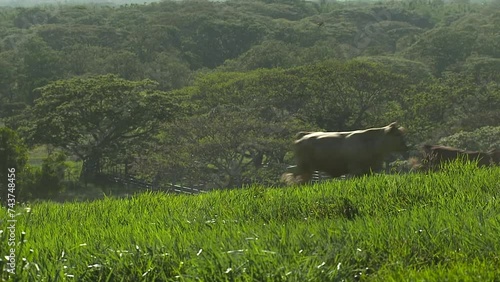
x=414, y=227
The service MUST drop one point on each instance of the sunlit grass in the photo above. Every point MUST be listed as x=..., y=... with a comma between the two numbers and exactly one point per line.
x=385, y=227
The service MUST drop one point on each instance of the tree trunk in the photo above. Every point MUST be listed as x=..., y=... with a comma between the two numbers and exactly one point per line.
x=90, y=169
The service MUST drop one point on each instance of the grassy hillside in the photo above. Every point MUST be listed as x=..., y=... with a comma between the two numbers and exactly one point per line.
x=381, y=228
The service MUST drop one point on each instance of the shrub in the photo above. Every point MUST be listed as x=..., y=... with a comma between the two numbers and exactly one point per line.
x=13, y=154
x=47, y=181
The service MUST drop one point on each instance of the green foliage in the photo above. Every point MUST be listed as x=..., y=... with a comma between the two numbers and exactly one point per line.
x=59, y=37
x=481, y=139
x=268, y=54
x=28, y=17
x=291, y=10
x=225, y=148
x=331, y=95
x=13, y=152
x=46, y=181
x=484, y=70
x=428, y=109
x=484, y=26
x=451, y=104
x=169, y=70
x=81, y=59
x=415, y=72
x=347, y=95
x=13, y=159
x=424, y=226
x=474, y=104
x=434, y=48
x=223, y=40
x=40, y=65
x=7, y=74
x=98, y=116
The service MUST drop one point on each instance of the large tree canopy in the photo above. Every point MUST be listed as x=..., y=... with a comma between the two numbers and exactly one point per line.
x=97, y=116
x=227, y=147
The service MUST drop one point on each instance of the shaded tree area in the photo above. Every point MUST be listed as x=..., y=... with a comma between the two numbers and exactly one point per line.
x=227, y=147
x=13, y=158
x=212, y=93
x=13, y=152
x=97, y=117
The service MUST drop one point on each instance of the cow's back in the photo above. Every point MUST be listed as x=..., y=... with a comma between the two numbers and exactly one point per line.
x=342, y=146
x=435, y=155
x=316, y=150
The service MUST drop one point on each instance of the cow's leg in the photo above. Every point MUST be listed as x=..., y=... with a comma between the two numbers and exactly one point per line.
x=428, y=163
x=299, y=175
x=375, y=168
x=303, y=173
x=304, y=177
x=356, y=169
x=334, y=173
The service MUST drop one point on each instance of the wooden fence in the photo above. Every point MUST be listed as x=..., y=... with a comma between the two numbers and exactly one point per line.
x=129, y=181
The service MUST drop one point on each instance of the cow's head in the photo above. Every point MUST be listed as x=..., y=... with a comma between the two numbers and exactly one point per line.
x=395, y=138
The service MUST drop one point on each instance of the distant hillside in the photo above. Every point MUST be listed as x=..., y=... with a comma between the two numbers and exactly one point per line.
x=28, y=3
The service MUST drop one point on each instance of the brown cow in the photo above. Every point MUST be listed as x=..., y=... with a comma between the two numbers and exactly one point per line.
x=434, y=155
x=338, y=153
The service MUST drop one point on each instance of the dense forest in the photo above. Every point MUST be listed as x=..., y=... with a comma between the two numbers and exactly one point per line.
x=212, y=93
x=31, y=3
